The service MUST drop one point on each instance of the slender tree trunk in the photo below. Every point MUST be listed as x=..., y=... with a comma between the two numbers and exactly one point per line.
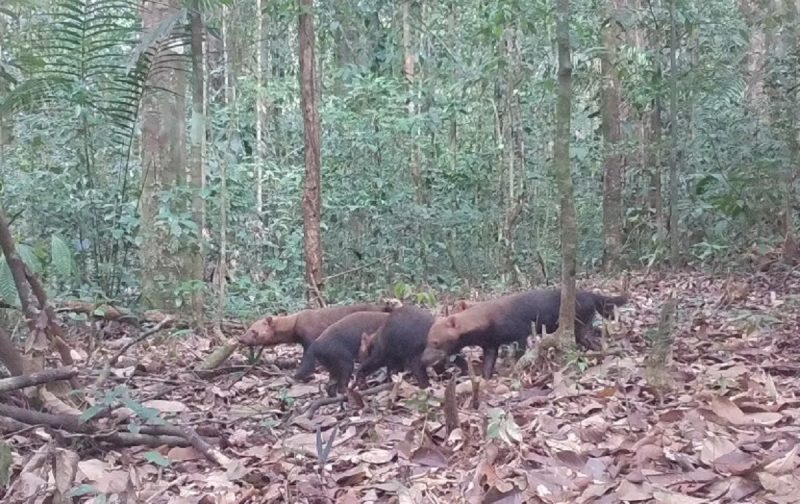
x=260, y=112
x=755, y=63
x=655, y=162
x=674, y=232
x=409, y=72
x=791, y=251
x=612, y=170
x=312, y=199
x=196, y=170
x=561, y=167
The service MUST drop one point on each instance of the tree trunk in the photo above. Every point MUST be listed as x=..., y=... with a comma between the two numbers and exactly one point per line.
x=166, y=260
x=755, y=63
x=561, y=167
x=409, y=73
x=612, y=170
x=312, y=199
x=791, y=251
x=260, y=111
x=196, y=169
x=674, y=232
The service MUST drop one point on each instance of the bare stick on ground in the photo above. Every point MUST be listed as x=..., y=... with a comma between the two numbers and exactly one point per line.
x=107, y=368
x=165, y=434
x=47, y=376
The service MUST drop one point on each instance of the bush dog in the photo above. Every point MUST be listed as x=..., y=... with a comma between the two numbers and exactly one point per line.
x=509, y=318
x=304, y=326
x=398, y=344
x=337, y=349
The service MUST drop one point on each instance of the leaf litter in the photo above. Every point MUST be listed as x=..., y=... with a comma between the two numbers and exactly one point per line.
x=726, y=428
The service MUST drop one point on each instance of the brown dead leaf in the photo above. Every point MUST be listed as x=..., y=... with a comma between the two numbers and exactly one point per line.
x=667, y=497
x=735, y=462
x=633, y=492
x=64, y=470
x=714, y=447
x=182, y=454
x=301, y=390
x=785, y=464
x=787, y=485
x=726, y=409
x=166, y=406
x=102, y=477
x=352, y=476
x=377, y=456
x=430, y=456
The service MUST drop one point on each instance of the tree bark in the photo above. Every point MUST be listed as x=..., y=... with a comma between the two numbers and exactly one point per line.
x=561, y=167
x=312, y=199
x=612, y=134
x=409, y=73
x=166, y=260
x=260, y=111
x=674, y=232
x=196, y=169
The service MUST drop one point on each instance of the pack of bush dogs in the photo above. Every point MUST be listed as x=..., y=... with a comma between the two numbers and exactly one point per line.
x=404, y=337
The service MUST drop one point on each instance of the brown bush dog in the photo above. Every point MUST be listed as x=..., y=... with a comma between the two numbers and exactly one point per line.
x=304, y=326
x=509, y=318
x=336, y=349
x=398, y=344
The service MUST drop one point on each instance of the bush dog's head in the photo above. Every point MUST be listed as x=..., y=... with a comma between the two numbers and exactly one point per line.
x=442, y=337
x=391, y=304
x=269, y=331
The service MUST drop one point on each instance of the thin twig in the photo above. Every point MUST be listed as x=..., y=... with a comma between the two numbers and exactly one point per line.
x=325, y=401
x=107, y=368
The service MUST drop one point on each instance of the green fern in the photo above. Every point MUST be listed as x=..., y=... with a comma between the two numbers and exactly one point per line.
x=83, y=63
x=8, y=289
x=61, y=257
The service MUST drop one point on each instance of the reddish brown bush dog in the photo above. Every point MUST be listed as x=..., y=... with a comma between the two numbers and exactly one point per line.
x=304, y=326
x=509, y=318
x=337, y=349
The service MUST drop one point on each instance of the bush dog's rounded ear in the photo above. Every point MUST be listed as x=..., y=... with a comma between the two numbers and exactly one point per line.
x=270, y=321
x=451, y=322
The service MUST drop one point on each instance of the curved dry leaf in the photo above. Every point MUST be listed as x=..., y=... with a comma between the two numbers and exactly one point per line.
x=166, y=406
x=377, y=456
x=714, y=447
x=429, y=456
x=667, y=497
x=64, y=470
x=102, y=478
x=735, y=462
x=633, y=492
x=785, y=464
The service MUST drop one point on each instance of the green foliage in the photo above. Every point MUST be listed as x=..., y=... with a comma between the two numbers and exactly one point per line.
x=484, y=87
x=62, y=257
x=5, y=464
x=502, y=426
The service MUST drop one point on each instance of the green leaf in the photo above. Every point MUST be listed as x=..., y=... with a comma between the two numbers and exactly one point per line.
x=91, y=412
x=157, y=458
x=61, y=257
x=8, y=289
x=28, y=256
x=5, y=464
x=81, y=490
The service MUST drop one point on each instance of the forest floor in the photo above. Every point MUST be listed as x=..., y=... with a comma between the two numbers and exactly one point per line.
x=726, y=428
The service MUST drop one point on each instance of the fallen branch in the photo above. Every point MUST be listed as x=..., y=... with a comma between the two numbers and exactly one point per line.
x=152, y=435
x=47, y=376
x=113, y=360
x=325, y=401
